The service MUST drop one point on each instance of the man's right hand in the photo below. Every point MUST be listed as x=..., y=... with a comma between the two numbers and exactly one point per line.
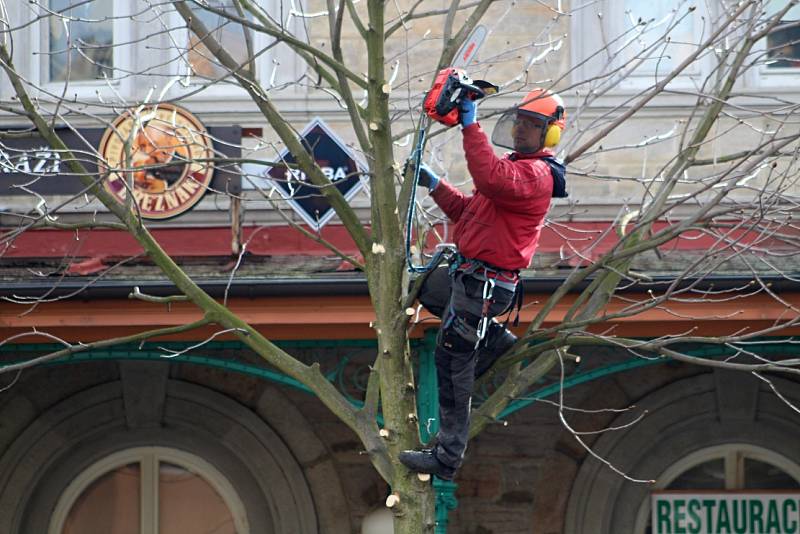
x=427, y=178
x=467, y=111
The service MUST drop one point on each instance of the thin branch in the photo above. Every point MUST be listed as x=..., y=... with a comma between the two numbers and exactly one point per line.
x=577, y=437
x=138, y=295
x=71, y=349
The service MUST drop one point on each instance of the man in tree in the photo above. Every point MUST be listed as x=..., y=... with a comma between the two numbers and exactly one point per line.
x=497, y=230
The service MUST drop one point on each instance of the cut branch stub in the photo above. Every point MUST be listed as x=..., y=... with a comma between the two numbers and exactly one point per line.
x=393, y=500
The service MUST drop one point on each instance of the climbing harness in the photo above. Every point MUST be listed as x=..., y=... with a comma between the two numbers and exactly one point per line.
x=491, y=277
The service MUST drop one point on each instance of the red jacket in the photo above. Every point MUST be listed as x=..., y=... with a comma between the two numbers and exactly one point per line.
x=501, y=221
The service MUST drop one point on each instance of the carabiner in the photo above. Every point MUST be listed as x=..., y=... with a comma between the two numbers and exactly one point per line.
x=483, y=325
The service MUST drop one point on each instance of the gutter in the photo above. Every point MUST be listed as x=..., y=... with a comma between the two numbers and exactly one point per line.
x=342, y=285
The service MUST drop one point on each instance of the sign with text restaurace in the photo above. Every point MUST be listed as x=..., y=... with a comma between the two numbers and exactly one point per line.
x=686, y=512
x=170, y=160
x=337, y=162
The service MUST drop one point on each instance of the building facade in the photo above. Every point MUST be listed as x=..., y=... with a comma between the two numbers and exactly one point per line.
x=192, y=432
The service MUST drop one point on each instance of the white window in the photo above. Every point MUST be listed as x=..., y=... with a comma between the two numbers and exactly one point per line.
x=80, y=41
x=630, y=44
x=231, y=35
x=779, y=54
x=203, y=77
x=656, y=37
x=151, y=490
x=78, y=49
x=122, y=50
x=725, y=467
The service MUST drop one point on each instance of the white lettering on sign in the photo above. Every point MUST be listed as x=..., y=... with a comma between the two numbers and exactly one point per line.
x=331, y=173
x=40, y=161
x=296, y=175
x=335, y=175
x=726, y=513
x=22, y=165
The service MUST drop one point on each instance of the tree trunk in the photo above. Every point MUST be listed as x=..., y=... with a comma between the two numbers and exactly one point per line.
x=415, y=511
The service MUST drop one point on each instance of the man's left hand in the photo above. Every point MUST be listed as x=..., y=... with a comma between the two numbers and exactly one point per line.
x=427, y=178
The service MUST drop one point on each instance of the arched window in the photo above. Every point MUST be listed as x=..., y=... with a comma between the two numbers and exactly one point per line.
x=725, y=467
x=150, y=489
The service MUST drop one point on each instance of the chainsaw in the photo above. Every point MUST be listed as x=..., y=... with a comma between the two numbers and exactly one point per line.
x=451, y=86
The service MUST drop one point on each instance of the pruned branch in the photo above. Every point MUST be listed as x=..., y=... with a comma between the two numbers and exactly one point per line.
x=71, y=350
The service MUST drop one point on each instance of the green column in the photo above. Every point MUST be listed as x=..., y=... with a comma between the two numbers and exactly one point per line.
x=445, y=501
x=427, y=390
x=428, y=409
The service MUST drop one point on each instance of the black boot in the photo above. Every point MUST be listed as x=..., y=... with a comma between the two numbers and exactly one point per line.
x=498, y=340
x=425, y=461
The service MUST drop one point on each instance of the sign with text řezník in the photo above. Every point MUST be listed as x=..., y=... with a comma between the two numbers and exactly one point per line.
x=171, y=160
x=338, y=164
x=28, y=166
x=733, y=512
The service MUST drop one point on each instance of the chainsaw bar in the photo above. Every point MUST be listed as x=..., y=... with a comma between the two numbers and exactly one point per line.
x=470, y=47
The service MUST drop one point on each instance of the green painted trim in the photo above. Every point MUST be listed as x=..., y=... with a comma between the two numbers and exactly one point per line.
x=211, y=345
x=427, y=388
x=601, y=372
x=219, y=363
x=156, y=352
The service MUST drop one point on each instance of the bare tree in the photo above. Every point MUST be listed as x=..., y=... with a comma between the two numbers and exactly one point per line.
x=373, y=60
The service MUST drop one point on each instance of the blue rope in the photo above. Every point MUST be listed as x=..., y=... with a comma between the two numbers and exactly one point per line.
x=417, y=157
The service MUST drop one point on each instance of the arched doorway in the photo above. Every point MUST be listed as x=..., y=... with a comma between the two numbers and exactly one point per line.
x=719, y=424
x=729, y=467
x=202, y=438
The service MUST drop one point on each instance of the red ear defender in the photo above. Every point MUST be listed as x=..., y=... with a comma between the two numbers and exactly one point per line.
x=450, y=85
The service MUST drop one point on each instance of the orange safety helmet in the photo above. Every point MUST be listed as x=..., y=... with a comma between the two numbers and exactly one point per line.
x=545, y=103
x=535, y=124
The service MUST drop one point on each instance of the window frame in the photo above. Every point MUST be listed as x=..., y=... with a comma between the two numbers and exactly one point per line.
x=264, y=65
x=685, y=80
x=149, y=458
x=85, y=90
x=586, y=40
x=30, y=56
x=765, y=78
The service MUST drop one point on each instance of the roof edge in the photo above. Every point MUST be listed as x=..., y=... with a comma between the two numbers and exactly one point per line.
x=340, y=285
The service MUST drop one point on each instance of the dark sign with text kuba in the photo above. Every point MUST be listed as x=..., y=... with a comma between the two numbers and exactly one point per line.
x=336, y=161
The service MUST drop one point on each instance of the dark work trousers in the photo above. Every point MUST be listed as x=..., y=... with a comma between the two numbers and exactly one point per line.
x=458, y=300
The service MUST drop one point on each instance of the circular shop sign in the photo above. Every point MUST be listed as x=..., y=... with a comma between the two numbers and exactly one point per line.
x=170, y=160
